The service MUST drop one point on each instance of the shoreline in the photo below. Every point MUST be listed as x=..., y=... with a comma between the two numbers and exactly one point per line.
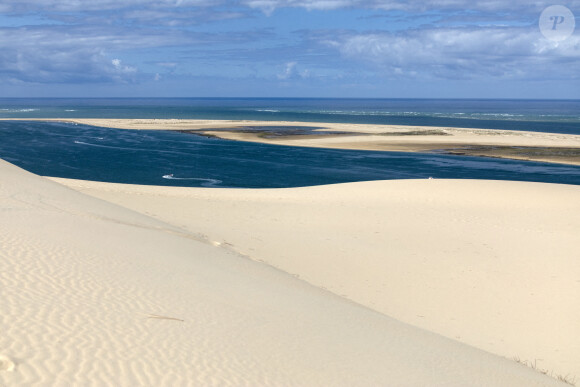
x=516, y=145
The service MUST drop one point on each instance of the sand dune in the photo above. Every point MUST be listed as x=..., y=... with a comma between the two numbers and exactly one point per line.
x=97, y=294
x=492, y=264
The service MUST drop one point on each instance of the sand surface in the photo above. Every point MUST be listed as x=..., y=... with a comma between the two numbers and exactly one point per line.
x=94, y=293
x=520, y=145
x=495, y=265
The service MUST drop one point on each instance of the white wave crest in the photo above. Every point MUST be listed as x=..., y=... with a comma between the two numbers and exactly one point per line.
x=18, y=110
x=208, y=182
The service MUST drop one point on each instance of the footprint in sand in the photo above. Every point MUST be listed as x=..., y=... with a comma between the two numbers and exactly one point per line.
x=6, y=364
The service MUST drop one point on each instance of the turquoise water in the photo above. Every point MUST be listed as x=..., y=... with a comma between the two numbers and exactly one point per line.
x=179, y=159
x=531, y=115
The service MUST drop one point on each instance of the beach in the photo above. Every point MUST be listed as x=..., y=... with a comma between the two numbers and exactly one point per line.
x=402, y=282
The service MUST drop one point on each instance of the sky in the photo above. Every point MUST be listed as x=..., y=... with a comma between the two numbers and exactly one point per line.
x=287, y=48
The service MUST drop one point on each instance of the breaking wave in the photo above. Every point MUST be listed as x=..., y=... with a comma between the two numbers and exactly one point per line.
x=18, y=110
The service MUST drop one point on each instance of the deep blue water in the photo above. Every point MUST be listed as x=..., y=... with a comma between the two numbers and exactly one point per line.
x=145, y=157
x=532, y=115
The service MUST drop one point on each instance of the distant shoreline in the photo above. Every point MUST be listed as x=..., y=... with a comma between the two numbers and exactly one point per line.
x=505, y=144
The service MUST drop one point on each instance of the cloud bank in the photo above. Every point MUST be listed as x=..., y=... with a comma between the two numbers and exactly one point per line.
x=463, y=53
x=137, y=41
x=524, y=6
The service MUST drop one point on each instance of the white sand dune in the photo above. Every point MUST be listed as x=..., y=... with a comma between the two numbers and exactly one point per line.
x=96, y=294
x=492, y=264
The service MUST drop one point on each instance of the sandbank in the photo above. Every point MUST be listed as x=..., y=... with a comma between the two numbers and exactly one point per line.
x=519, y=145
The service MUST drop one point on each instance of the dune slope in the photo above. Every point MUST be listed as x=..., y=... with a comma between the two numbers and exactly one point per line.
x=492, y=264
x=95, y=294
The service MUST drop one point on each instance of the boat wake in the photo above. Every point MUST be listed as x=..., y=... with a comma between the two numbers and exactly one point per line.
x=207, y=182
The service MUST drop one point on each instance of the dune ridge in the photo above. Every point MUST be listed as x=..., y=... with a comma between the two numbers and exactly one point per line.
x=94, y=293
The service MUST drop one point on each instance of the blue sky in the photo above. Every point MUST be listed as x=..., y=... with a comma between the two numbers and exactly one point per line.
x=284, y=48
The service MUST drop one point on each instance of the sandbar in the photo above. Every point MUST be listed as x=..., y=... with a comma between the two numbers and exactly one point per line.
x=510, y=144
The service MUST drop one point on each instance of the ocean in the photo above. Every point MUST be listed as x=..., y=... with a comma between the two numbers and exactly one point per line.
x=555, y=116
x=179, y=159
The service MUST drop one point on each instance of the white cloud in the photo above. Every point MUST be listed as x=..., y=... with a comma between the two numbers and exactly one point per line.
x=121, y=69
x=269, y=6
x=49, y=55
x=137, y=12
x=88, y=52
x=97, y=34
x=97, y=5
x=463, y=53
x=291, y=71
